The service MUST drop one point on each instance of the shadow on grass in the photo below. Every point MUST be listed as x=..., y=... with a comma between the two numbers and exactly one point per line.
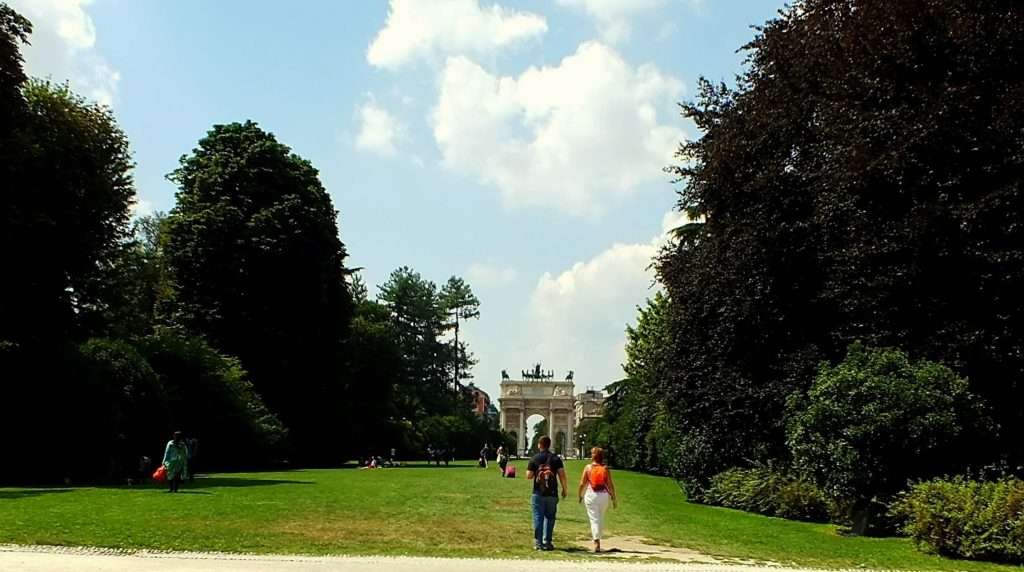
x=14, y=495
x=574, y=550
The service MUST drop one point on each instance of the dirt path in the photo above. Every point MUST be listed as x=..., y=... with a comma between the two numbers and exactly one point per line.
x=52, y=559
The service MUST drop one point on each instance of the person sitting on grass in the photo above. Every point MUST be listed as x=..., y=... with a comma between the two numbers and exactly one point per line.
x=176, y=462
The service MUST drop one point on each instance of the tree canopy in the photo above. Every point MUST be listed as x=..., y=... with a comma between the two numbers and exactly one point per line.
x=863, y=180
x=253, y=250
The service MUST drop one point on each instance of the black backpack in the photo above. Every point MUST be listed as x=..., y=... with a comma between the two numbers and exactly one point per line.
x=545, y=479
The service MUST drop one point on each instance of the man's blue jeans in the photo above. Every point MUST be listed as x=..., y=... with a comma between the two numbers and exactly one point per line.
x=544, y=511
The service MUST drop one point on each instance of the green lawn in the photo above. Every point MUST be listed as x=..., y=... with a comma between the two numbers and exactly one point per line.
x=456, y=511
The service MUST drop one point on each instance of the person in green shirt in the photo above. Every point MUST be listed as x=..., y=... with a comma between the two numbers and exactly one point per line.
x=176, y=462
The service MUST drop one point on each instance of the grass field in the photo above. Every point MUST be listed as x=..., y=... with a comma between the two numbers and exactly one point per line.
x=454, y=511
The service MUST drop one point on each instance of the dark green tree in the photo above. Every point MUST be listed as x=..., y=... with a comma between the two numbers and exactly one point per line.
x=864, y=180
x=375, y=361
x=253, y=251
x=64, y=212
x=209, y=397
x=419, y=323
x=14, y=31
x=878, y=420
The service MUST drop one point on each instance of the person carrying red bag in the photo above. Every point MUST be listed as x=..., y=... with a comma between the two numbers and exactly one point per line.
x=175, y=462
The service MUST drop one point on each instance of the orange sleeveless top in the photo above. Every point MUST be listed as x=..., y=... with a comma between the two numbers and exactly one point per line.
x=598, y=477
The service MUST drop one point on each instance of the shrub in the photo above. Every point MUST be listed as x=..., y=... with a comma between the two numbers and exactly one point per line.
x=768, y=492
x=877, y=420
x=967, y=519
x=211, y=399
x=126, y=405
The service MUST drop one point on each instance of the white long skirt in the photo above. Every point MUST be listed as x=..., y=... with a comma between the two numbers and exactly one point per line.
x=597, y=505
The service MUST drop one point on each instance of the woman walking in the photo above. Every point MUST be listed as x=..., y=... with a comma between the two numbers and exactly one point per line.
x=595, y=492
x=176, y=462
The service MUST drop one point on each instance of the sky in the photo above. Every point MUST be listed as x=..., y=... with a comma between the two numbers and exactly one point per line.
x=519, y=144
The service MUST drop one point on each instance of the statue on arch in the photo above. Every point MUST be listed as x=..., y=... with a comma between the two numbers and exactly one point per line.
x=504, y=375
x=569, y=377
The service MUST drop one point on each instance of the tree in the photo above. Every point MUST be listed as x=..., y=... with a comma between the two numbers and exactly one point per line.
x=14, y=31
x=631, y=414
x=877, y=420
x=64, y=212
x=253, y=250
x=459, y=302
x=129, y=292
x=375, y=362
x=210, y=398
x=419, y=322
x=862, y=181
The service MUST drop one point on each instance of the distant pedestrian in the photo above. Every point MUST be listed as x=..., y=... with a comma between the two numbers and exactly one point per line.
x=176, y=462
x=596, y=491
x=502, y=459
x=546, y=470
x=483, y=457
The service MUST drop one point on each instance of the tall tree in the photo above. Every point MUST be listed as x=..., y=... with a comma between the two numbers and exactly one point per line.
x=64, y=212
x=459, y=303
x=419, y=322
x=253, y=249
x=865, y=180
x=14, y=31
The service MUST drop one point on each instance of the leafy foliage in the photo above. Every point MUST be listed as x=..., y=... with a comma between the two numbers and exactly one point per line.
x=63, y=212
x=877, y=420
x=638, y=432
x=210, y=397
x=769, y=492
x=253, y=250
x=966, y=519
x=862, y=181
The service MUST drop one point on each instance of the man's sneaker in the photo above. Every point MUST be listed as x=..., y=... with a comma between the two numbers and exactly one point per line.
x=548, y=547
x=538, y=547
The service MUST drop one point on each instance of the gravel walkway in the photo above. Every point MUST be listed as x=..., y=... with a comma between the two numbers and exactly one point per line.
x=51, y=559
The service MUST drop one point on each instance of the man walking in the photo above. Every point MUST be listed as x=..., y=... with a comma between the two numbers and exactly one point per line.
x=543, y=469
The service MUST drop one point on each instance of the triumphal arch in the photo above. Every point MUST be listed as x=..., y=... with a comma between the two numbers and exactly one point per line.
x=538, y=393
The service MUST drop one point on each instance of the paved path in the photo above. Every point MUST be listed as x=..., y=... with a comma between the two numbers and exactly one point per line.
x=52, y=559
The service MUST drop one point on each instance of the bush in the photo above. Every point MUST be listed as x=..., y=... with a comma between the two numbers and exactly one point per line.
x=966, y=519
x=125, y=405
x=768, y=492
x=211, y=399
x=877, y=420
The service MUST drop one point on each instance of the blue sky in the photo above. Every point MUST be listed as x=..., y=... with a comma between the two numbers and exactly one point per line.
x=516, y=144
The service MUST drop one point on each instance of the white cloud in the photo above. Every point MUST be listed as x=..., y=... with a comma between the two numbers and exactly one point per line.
x=571, y=136
x=419, y=29
x=379, y=130
x=63, y=45
x=583, y=311
x=613, y=15
x=489, y=275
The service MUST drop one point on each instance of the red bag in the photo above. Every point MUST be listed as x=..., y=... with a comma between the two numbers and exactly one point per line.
x=160, y=475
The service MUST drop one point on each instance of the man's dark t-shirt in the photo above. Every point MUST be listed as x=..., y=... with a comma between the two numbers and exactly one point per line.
x=553, y=461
